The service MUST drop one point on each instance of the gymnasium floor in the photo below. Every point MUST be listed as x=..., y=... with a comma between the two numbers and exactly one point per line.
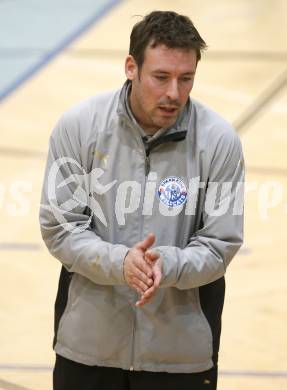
x=243, y=76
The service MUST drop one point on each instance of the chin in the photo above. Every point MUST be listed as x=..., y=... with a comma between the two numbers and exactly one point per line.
x=162, y=123
x=168, y=123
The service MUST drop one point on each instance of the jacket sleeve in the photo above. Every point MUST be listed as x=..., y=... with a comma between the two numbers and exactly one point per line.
x=65, y=219
x=220, y=235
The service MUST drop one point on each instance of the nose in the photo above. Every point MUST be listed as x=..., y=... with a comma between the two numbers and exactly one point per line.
x=172, y=90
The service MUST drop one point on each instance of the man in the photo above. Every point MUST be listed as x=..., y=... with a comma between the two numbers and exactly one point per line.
x=142, y=205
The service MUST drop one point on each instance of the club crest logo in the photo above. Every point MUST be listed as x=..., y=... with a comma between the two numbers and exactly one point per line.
x=172, y=191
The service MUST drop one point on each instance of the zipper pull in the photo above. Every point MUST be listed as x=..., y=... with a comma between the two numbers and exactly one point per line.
x=147, y=165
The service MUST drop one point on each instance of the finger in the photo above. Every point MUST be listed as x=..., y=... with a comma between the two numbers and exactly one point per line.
x=147, y=296
x=146, y=243
x=134, y=277
x=144, y=268
x=151, y=256
x=157, y=278
x=135, y=263
x=140, y=285
x=149, y=292
x=144, y=299
x=138, y=290
x=142, y=302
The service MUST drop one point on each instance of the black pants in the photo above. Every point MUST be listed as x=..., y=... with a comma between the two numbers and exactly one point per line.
x=69, y=375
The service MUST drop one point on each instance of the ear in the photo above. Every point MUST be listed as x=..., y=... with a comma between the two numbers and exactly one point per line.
x=131, y=68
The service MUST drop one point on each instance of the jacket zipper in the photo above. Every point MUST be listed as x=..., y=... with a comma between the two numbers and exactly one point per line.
x=133, y=341
x=147, y=166
x=147, y=169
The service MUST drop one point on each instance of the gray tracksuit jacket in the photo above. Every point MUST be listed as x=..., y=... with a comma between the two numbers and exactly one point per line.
x=105, y=188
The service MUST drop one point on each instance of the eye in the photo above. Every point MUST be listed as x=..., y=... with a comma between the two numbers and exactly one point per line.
x=186, y=79
x=161, y=78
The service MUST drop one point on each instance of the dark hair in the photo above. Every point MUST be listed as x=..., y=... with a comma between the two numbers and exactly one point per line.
x=164, y=28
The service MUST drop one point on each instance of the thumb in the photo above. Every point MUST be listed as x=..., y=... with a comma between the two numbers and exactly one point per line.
x=146, y=243
x=151, y=256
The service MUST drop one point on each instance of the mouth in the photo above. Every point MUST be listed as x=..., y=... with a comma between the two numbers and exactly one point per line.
x=168, y=110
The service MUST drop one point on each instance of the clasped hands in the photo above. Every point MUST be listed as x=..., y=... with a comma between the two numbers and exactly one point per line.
x=143, y=269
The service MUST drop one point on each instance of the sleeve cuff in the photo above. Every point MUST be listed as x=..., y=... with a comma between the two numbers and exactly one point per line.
x=119, y=254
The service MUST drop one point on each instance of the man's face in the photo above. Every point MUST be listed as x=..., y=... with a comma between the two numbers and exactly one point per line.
x=161, y=88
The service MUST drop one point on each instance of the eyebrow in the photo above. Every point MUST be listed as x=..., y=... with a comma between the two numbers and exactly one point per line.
x=165, y=72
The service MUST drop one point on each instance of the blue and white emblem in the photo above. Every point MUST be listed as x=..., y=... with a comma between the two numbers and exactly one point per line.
x=172, y=191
